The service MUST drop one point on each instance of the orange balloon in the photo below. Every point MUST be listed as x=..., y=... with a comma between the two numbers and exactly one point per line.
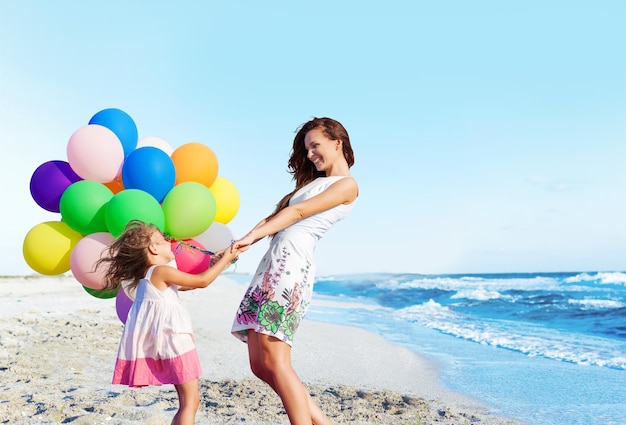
x=116, y=185
x=195, y=162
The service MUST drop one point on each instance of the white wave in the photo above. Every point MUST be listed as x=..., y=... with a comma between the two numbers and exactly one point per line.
x=471, y=282
x=529, y=339
x=597, y=304
x=577, y=283
x=533, y=340
x=480, y=294
x=427, y=313
x=612, y=278
x=545, y=343
x=607, y=278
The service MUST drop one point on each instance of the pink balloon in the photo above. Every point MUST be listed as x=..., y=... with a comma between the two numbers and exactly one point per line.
x=190, y=260
x=95, y=153
x=122, y=305
x=84, y=257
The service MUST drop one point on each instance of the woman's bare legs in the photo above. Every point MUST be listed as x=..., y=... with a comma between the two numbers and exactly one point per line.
x=317, y=416
x=270, y=361
x=189, y=401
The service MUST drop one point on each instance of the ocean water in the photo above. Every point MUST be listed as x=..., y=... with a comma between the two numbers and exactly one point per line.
x=543, y=348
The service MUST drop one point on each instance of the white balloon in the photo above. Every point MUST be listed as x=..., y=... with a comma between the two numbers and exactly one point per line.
x=155, y=142
x=217, y=237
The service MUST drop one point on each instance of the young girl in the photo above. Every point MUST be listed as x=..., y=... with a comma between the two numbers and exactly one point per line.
x=157, y=345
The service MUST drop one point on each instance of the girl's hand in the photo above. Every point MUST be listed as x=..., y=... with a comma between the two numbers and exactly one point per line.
x=230, y=254
x=215, y=258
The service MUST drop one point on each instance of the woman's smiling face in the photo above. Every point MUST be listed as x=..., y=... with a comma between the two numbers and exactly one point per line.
x=321, y=150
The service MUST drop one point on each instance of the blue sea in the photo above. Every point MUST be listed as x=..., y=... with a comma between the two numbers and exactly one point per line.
x=542, y=348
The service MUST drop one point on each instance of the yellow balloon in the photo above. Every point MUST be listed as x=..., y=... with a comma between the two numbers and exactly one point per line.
x=227, y=199
x=47, y=247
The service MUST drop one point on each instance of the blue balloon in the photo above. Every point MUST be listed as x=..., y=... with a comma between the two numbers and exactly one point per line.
x=120, y=123
x=151, y=170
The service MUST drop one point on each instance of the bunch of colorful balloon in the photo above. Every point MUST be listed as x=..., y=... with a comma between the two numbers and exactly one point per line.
x=110, y=178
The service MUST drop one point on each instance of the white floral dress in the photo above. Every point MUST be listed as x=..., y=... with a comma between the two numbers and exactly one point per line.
x=281, y=289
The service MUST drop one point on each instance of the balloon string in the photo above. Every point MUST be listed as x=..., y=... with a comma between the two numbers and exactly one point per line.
x=181, y=244
x=190, y=247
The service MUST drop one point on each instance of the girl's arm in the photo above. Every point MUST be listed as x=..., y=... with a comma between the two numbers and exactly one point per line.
x=162, y=276
x=344, y=191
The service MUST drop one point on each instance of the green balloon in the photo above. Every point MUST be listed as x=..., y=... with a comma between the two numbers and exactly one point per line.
x=132, y=204
x=189, y=210
x=102, y=293
x=83, y=206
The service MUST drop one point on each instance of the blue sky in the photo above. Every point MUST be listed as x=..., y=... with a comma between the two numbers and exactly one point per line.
x=489, y=136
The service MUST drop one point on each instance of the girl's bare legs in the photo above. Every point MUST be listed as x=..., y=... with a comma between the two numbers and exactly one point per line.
x=270, y=361
x=189, y=401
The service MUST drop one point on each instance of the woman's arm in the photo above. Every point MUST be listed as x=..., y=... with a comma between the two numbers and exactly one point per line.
x=344, y=191
x=259, y=224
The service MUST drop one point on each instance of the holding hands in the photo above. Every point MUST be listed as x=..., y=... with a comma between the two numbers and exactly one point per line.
x=243, y=244
x=231, y=255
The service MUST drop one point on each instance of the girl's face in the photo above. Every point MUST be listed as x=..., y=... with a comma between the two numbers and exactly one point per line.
x=321, y=150
x=162, y=247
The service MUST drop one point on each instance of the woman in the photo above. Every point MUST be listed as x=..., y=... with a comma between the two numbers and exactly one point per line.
x=280, y=292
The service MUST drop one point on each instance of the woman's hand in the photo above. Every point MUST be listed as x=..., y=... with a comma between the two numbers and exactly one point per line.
x=243, y=244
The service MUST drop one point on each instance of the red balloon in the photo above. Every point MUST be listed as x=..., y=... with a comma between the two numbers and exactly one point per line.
x=188, y=259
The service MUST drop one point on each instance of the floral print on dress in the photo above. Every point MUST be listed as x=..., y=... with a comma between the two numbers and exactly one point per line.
x=276, y=315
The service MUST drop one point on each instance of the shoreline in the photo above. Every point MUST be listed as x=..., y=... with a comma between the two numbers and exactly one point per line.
x=58, y=346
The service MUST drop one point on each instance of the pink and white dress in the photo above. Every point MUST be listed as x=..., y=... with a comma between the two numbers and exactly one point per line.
x=157, y=345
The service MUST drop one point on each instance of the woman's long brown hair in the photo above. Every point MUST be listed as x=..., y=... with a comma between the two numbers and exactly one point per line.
x=300, y=167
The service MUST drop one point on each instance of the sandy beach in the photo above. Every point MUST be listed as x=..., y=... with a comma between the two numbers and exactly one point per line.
x=58, y=346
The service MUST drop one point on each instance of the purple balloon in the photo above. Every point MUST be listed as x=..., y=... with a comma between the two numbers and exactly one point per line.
x=49, y=181
x=122, y=305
